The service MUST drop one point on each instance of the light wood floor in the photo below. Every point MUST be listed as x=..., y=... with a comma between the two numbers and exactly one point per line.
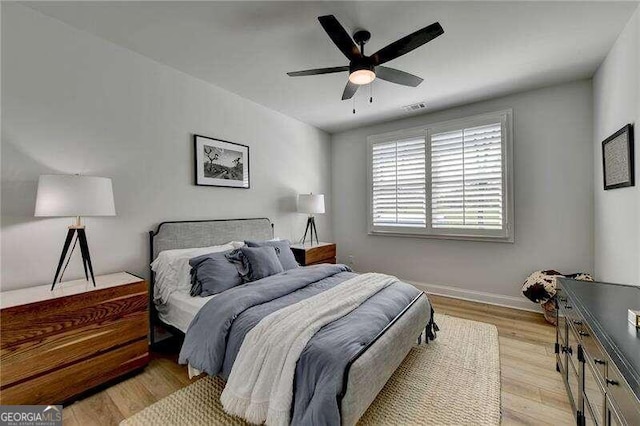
x=532, y=390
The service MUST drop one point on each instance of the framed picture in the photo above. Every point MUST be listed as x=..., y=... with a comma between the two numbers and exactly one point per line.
x=617, y=159
x=221, y=163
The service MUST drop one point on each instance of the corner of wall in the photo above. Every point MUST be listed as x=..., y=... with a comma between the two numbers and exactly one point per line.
x=616, y=102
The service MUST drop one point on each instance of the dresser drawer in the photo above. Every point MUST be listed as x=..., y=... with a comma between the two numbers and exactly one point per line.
x=573, y=381
x=570, y=313
x=76, y=378
x=34, y=357
x=321, y=253
x=594, y=395
x=58, y=346
x=595, y=355
x=37, y=321
x=613, y=417
x=310, y=255
x=577, y=325
x=561, y=328
x=589, y=417
x=623, y=397
x=572, y=347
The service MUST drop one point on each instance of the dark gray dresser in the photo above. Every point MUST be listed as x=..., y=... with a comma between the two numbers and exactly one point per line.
x=598, y=351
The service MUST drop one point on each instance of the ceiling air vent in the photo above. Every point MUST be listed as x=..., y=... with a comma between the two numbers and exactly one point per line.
x=415, y=107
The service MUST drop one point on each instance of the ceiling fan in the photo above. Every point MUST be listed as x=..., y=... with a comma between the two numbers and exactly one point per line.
x=364, y=69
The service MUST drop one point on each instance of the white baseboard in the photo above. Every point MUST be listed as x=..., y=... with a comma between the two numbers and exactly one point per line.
x=521, y=303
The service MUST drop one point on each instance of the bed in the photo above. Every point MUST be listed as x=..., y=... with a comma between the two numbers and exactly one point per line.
x=366, y=371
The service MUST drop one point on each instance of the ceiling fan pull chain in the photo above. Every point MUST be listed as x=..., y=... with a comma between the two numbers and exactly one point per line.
x=354, y=104
x=371, y=93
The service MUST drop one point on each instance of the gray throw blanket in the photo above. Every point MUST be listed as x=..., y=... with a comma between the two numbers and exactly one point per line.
x=215, y=335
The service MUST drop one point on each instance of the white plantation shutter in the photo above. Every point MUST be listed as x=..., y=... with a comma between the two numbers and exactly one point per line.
x=466, y=178
x=398, y=183
x=447, y=180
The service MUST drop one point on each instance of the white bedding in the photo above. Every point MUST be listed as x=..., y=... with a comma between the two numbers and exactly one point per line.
x=180, y=309
x=173, y=272
x=175, y=305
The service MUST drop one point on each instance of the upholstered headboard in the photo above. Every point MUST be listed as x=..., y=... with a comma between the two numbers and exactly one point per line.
x=203, y=233
x=199, y=233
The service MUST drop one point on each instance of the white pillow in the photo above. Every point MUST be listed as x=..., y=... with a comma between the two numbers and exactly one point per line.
x=237, y=244
x=173, y=272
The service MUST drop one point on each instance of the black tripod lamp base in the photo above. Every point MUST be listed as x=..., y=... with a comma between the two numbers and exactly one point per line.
x=81, y=237
x=310, y=229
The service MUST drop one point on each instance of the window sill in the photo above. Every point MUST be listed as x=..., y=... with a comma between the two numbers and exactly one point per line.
x=510, y=239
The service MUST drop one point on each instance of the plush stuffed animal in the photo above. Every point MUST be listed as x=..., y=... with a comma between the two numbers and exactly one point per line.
x=540, y=287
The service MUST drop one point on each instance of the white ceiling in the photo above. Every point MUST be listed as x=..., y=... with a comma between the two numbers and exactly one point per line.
x=488, y=49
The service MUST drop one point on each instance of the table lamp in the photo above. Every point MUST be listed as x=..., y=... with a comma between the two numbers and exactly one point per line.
x=74, y=196
x=311, y=204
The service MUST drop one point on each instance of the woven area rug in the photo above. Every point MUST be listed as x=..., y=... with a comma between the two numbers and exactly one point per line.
x=454, y=380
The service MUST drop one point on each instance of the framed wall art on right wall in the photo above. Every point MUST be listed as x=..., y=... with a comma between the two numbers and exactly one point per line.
x=618, y=167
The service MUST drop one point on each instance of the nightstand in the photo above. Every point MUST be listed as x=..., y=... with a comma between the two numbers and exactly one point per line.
x=57, y=344
x=308, y=254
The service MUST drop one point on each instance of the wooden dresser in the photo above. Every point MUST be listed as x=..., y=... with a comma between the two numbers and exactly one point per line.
x=308, y=254
x=598, y=351
x=55, y=345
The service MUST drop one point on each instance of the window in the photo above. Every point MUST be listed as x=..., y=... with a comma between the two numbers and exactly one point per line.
x=399, y=183
x=446, y=180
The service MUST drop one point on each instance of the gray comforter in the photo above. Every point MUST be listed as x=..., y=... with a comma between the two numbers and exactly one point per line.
x=215, y=335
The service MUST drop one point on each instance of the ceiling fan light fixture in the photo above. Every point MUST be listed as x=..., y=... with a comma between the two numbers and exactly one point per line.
x=364, y=69
x=363, y=76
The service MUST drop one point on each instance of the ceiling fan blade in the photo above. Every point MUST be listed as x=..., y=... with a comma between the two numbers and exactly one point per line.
x=349, y=90
x=340, y=37
x=396, y=76
x=317, y=71
x=407, y=44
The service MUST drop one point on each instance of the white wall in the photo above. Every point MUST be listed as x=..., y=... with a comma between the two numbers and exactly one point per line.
x=553, y=190
x=74, y=103
x=616, y=90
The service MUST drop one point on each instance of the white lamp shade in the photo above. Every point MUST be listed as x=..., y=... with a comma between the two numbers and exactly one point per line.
x=74, y=195
x=311, y=203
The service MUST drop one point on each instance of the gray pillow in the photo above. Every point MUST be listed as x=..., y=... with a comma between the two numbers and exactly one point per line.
x=283, y=250
x=212, y=274
x=237, y=258
x=255, y=263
